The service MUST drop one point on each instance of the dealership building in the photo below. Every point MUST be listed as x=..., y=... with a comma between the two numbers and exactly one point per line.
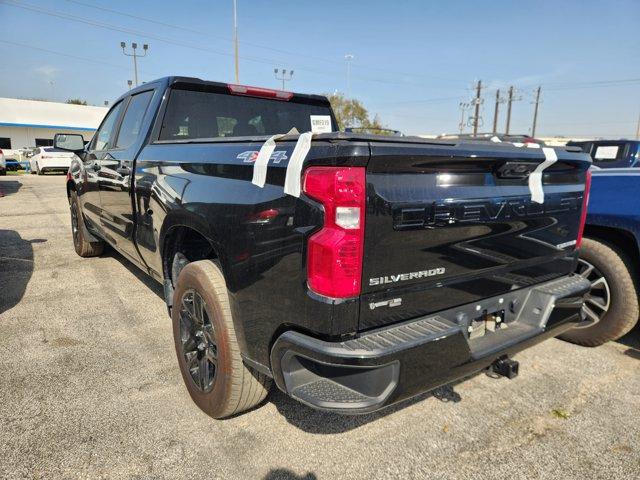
x=31, y=123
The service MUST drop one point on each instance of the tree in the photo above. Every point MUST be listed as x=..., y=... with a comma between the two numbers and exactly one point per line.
x=351, y=113
x=76, y=101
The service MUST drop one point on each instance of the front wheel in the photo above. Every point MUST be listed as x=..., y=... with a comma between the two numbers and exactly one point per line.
x=613, y=300
x=206, y=345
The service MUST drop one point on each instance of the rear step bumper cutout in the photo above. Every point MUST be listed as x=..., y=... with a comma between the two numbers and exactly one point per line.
x=391, y=364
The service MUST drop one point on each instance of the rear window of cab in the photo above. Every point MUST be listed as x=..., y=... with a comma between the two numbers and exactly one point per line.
x=200, y=115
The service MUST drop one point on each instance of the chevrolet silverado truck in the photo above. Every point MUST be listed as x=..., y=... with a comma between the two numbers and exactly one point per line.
x=610, y=258
x=352, y=270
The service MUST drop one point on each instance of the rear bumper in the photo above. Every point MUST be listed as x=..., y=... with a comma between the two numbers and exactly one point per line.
x=391, y=364
x=58, y=164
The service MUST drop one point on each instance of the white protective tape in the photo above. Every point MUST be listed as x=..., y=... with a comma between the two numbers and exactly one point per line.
x=294, y=169
x=535, y=177
x=262, y=161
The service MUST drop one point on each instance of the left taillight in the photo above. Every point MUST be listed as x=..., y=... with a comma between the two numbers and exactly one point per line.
x=585, y=204
x=334, y=254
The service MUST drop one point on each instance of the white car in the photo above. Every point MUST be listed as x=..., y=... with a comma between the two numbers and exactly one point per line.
x=3, y=164
x=49, y=159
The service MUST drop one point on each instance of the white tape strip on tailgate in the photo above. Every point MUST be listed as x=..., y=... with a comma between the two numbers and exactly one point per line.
x=535, y=177
x=262, y=161
x=294, y=169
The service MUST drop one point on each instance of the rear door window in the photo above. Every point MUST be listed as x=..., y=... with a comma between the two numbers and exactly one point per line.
x=196, y=114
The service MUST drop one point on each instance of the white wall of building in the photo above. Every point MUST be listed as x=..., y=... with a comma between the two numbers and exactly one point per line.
x=23, y=121
x=26, y=136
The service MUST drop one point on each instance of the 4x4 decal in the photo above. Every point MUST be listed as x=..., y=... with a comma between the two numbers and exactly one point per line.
x=250, y=156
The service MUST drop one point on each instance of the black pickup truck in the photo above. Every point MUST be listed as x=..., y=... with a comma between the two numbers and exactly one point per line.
x=353, y=270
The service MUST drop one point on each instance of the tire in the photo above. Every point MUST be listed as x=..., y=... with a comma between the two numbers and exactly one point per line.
x=83, y=247
x=232, y=387
x=622, y=313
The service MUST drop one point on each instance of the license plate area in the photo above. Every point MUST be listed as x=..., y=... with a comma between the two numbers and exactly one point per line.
x=487, y=323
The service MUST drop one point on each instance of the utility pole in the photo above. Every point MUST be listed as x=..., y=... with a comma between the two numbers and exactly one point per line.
x=477, y=102
x=463, y=110
x=638, y=129
x=235, y=38
x=509, y=102
x=495, y=112
x=283, y=76
x=135, y=56
x=535, y=112
x=348, y=57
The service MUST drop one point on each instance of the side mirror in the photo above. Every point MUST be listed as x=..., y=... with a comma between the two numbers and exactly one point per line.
x=71, y=142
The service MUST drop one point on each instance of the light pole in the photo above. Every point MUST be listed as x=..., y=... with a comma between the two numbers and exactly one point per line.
x=135, y=56
x=284, y=76
x=235, y=38
x=348, y=57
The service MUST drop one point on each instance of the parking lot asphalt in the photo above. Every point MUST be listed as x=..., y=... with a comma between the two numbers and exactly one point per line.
x=90, y=388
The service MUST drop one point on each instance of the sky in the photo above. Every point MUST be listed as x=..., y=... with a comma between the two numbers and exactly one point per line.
x=413, y=63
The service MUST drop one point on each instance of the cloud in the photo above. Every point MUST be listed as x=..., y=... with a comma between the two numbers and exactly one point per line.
x=46, y=71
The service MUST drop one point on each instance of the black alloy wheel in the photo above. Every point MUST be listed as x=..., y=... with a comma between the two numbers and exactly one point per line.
x=75, y=229
x=598, y=300
x=197, y=338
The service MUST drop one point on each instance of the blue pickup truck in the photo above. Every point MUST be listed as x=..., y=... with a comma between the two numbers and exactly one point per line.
x=611, y=153
x=610, y=256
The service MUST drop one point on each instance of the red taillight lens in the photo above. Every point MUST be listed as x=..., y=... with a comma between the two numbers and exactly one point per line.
x=585, y=204
x=334, y=259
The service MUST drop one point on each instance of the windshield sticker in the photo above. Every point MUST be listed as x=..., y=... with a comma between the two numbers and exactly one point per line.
x=320, y=123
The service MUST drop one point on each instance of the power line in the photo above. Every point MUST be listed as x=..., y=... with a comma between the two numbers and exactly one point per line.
x=76, y=57
x=256, y=45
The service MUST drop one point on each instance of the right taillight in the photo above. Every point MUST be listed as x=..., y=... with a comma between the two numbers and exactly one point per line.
x=585, y=204
x=334, y=258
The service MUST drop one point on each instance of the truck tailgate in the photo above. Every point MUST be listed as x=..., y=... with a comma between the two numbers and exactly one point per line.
x=449, y=225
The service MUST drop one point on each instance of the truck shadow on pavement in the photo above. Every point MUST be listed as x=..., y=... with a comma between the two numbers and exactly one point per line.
x=317, y=421
x=8, y=187
x=149, y=282
x=16, y=267
x=286, y=474
x=632, y=340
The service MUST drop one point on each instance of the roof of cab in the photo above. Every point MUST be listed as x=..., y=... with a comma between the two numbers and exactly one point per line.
x=177, y=80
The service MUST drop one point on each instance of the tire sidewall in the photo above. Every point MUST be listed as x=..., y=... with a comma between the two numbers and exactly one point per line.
x=623, y=306
x=194, y=278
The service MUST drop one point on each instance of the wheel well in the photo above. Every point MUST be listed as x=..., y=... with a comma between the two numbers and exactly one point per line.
x=622, y=240
x=190, y=243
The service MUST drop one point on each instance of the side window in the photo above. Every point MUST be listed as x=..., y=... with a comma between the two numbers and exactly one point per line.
x=102, y=137
x=132, y=122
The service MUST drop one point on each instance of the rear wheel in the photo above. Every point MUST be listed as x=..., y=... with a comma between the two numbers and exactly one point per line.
x=83, y=247
x=613, y=299
x=206, y=344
